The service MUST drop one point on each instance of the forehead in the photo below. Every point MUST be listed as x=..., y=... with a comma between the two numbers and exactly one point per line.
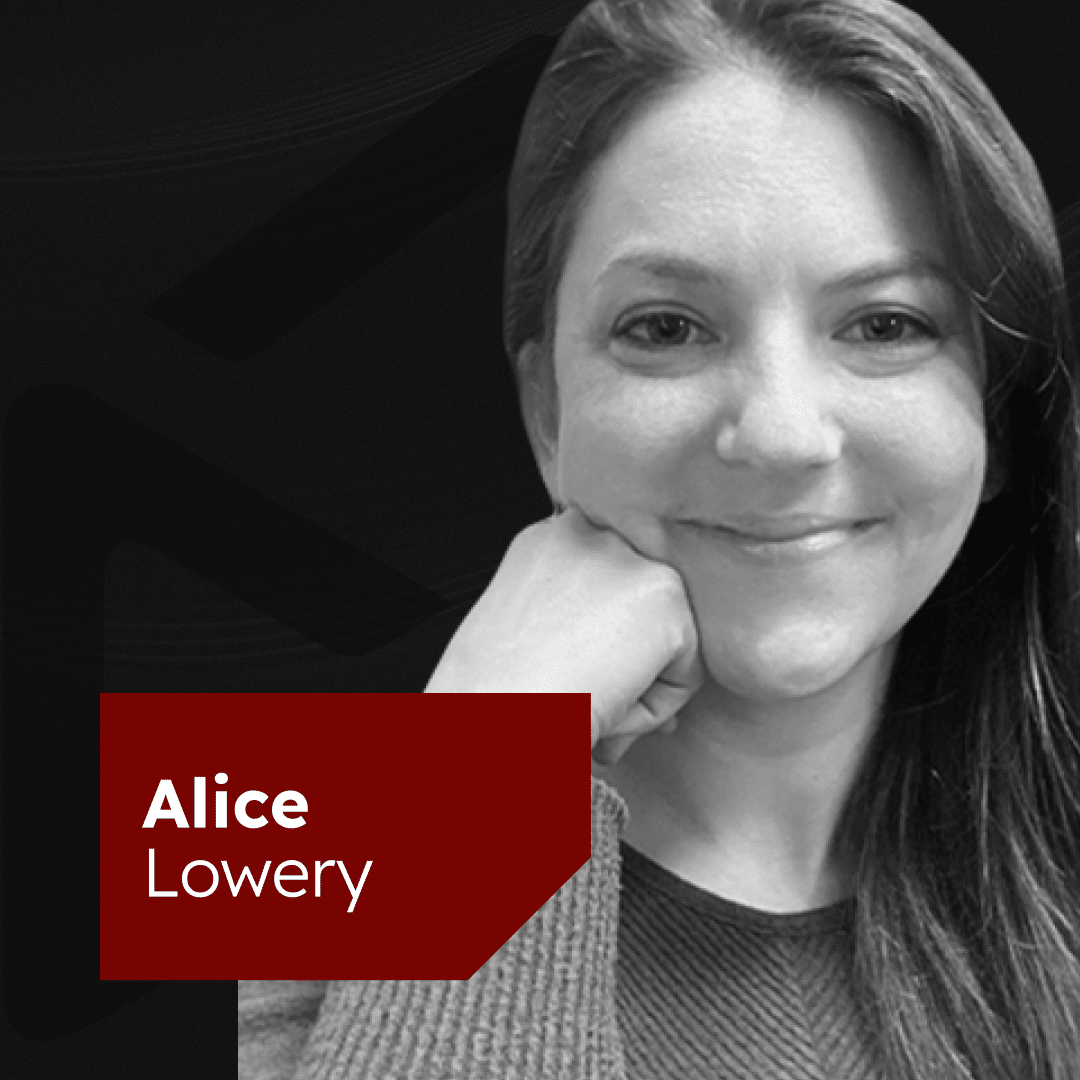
x=741, y=168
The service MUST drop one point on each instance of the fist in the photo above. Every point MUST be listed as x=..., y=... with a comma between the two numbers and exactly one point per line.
x=574, y=609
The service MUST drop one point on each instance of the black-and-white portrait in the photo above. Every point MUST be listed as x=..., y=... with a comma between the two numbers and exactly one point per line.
x=785, y=303
x=713, y=358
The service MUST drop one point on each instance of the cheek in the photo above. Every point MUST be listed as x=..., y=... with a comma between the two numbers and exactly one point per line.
x=932, y=448
x=621, y=449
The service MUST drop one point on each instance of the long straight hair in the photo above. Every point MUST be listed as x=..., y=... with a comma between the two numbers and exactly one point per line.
x=966, y=812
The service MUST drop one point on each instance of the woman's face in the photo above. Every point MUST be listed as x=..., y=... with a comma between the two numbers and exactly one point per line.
x=767, y=376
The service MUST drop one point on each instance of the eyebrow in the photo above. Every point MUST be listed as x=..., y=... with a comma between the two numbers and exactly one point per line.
x=912, y=265
x=680, y=268
x=676, y=267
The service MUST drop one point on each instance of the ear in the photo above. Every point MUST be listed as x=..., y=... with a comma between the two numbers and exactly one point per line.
x=540, y=410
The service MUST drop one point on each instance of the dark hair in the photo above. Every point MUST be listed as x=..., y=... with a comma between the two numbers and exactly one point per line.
x=967, y=809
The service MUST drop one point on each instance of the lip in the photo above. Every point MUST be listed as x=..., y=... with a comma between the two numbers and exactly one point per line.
x=788, y=540
x=790, y=527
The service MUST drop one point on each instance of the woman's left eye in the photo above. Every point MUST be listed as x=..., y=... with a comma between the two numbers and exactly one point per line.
x=889, y=328
x=662, y=329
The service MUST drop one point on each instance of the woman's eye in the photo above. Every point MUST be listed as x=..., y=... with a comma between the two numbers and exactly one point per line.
x=889, y=328
x=662, y=329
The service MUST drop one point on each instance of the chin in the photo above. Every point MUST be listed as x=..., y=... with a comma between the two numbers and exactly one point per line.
x=784, y=664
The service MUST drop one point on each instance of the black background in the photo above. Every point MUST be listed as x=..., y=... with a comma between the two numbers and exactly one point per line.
x=138, y=141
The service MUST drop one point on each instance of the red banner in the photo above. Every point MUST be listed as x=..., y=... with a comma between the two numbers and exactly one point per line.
x=333, y=836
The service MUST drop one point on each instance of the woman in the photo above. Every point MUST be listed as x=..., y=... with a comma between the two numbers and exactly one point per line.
x=786, y=305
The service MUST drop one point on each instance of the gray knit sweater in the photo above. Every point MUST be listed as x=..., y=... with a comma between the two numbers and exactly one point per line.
x=547, y=1006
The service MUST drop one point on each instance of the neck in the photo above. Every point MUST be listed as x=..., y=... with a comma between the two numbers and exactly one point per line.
x=743, y=799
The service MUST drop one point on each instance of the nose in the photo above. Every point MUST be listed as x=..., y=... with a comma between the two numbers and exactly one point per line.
x=777, y=415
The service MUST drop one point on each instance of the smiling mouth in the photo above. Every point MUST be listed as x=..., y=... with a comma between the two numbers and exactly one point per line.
x=789, y=530
x=774, y=538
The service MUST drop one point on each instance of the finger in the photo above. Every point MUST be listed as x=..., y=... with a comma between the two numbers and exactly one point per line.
x=686, y=668
x=608, y=751
x=662, y=701
x=655, y=709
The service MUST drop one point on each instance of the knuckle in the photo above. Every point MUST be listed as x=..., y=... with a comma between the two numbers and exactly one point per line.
x=528, y=538
x=668, y=583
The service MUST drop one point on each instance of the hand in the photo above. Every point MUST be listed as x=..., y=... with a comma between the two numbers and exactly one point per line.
x=574, y=609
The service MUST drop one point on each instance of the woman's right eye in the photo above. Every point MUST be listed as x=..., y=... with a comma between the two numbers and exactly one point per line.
x=663, y=330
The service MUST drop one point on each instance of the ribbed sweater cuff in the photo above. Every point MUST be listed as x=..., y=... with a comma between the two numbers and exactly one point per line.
x=543, y=1008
